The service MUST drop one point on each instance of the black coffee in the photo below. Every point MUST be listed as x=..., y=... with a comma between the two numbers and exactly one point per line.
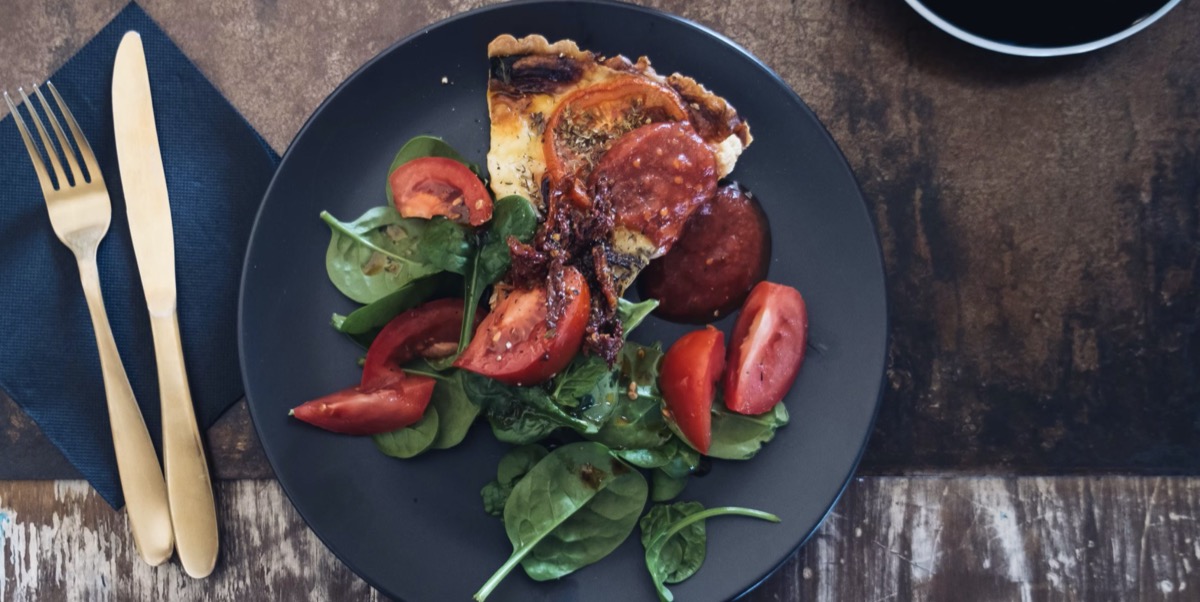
x=1044, y=23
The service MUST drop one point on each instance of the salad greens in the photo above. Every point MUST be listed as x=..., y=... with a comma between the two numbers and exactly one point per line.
x=514, y=465
x=675, y=541
x=567, y=506
x=574, y=507
x=380, y=251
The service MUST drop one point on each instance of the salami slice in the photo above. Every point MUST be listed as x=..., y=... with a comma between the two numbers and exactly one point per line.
x=723, y=252
x=654, y=178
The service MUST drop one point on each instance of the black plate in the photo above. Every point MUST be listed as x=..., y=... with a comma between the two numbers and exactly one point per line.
x=416, y=529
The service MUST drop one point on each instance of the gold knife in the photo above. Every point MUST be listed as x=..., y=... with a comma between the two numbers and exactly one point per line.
x=189, y=489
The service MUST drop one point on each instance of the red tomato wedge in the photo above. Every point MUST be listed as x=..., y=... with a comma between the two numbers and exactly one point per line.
x=766, y=349
x=605, y=111
x=430, y=330
x=690, y=371
x=357, y=411
x=436, y=186
x=514, y=345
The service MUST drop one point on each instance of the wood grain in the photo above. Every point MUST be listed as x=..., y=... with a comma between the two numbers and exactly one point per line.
x=983, y=539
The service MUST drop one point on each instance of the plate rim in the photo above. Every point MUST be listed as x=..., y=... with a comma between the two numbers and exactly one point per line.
x=730, y=44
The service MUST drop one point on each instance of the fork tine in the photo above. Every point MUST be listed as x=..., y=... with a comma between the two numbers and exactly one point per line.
x=34, y=155
x=46, y=143
x=67, y=152
x=85, y=149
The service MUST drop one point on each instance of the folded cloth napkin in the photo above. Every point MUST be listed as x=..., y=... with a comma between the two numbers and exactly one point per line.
x=217, y=169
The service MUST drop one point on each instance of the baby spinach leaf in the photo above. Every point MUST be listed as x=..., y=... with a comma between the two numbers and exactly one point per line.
x=665, y=487
x=512, y=216
x=588, y=387
x=377, y=253
x=362, y=340
x=368, y=319
x=456, y=411
x=637, y=421
x=514, y=465
x=573, y=508
x=740, y=437
x=446, y=245
x=426, y=146
x=631, y=314
x=675, y=549
x=680, y=556
x=410, y=440
x=519, y=415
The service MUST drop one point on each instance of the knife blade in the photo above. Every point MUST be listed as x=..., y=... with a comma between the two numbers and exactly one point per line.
x=189, y=489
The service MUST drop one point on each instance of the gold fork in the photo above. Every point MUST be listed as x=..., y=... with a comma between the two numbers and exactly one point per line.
x=80, y=212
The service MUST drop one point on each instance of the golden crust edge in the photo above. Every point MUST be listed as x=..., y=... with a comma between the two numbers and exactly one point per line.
x=508, y=45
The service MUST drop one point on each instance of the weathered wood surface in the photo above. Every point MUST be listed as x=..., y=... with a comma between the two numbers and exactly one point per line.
x=891, y=539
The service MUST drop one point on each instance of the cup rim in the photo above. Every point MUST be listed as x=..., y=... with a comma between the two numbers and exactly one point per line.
x=1038, y=51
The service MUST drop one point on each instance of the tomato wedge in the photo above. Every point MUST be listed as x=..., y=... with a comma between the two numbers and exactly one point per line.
x=430, y=330
x=514, y=345
x=437, y=186
x=586, y=121
x=358, y=411
x=690, y=371
x=766, y=349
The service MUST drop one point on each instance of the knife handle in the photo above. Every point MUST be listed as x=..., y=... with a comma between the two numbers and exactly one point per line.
x=189, y=489
x=137, y=463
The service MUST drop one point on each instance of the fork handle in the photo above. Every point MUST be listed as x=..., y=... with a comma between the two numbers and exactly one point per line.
x=193, y=510
x=137, y=464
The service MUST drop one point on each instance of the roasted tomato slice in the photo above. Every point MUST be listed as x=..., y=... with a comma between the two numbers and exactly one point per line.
x=430, y=331
x=515, y=345
x=587, y=121
x=690, y=371
x=766, y=349
x=357, y=411
x=655, y=177
x=436, y=186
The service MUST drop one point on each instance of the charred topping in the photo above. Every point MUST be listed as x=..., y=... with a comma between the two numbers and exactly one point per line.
x=533, y=73
x=579, y=238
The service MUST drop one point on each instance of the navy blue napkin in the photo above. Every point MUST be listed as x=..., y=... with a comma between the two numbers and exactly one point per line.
x=217, y=169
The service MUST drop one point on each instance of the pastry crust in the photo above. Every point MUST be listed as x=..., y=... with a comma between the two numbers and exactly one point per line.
x=531, y=75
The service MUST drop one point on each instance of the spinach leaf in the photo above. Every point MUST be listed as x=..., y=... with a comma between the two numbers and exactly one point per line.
x=368, y=319
x=637, y=421
x=739, y=437
x=519, y=415
x=456, y=411
x=680, y=556
x=512, y=216
x=675, y=549
x=426, y=146
x=380, y=252
x=573, y=508
x=446, y=245
x=665, y=487
x=672, y=463
x=410, y=440
x=631, y=314
x=589, y=387
x=514, y=465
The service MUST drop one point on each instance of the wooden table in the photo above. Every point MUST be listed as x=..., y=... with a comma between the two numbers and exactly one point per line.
x=1039, y=222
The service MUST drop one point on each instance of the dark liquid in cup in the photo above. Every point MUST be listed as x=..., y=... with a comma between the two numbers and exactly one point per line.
x=1044, y=23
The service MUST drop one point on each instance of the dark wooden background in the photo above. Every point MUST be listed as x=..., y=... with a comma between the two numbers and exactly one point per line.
x=1040, y=221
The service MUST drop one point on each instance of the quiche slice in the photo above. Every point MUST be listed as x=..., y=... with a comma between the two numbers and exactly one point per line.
x=557, y=110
